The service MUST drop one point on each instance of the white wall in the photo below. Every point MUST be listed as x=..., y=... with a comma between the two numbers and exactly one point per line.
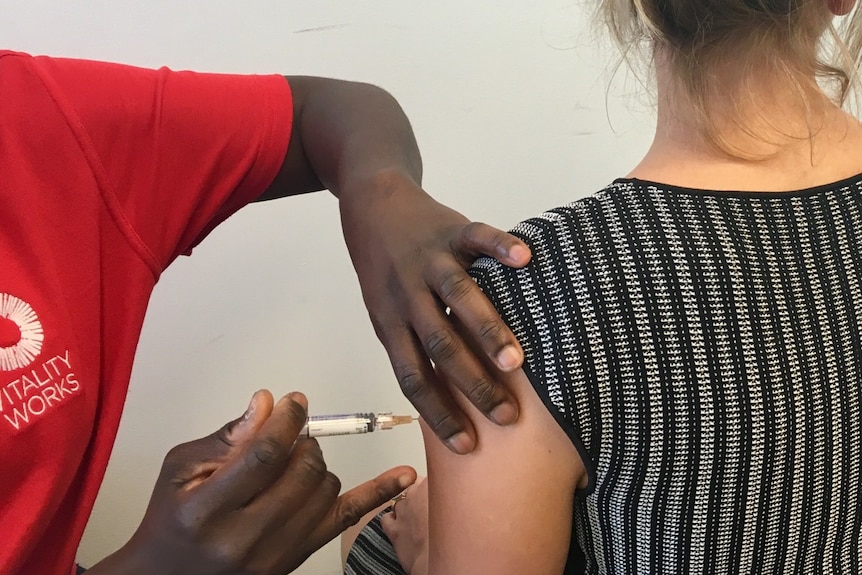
x=508, y=100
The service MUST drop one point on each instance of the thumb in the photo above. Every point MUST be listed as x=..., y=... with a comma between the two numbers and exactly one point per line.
x=190, y=463
x=477, y=239
x=241, y=430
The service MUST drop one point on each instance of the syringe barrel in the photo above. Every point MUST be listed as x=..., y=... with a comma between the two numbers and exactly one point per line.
x=346, y=424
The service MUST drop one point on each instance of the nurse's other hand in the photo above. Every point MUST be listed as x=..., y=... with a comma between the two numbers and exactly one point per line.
x=410, y=253
x=250, y=498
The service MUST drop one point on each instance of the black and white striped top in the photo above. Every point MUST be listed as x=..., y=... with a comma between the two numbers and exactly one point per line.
x=702, y=350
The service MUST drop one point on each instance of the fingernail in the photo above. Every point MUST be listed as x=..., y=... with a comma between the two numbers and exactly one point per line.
x=297, y=397
x=509, y=358
x=250, y=409
x=518, y=253
x=405, y=481
x=504, y=414
x=460, y=443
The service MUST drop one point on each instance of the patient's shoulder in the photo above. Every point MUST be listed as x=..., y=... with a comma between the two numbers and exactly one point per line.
x=571, y=239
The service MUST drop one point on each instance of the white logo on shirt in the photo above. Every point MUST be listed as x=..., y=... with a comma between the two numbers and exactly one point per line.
x=21, y=334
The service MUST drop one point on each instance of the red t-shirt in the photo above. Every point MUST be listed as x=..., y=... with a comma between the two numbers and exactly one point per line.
x=107, y=174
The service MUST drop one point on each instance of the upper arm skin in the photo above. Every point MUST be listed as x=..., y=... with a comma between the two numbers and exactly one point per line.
x=507, y=507
x=296, y=175
x=342, y=131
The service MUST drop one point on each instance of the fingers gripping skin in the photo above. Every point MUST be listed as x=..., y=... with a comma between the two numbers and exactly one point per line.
x=250, y=499
x=467, y=301
x=460, y=293
x=456, y=362
x=415, y=270
x=422, y=387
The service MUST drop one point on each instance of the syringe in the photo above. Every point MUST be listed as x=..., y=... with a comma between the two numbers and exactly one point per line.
x=352, y=423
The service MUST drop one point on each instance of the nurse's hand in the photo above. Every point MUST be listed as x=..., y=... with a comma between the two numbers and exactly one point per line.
x=410, y=253
x=249, y=499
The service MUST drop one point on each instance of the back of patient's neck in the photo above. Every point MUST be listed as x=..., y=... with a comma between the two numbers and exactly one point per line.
x=769, y=137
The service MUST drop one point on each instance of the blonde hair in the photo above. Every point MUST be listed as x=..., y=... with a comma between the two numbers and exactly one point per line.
x=794, y=38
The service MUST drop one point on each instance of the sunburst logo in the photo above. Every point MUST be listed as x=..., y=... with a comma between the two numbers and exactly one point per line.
x=21, y=334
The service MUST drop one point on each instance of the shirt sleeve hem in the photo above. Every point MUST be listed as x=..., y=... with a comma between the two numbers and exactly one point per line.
x=570, y=429
x=269, y=159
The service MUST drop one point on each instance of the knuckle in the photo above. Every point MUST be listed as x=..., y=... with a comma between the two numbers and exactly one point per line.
x=178, y=460
x=500, y=238
x=482, y=393
x=455, y=286
x=389, y=329
x=492, y=330
x=380, y=325
x=270, y=452
x=487, y=239
x=175, y=456
x=332, y=484
x=223, y=435
x=384, y=491
x=411, y=381
x=311, y=468
x=442, y=346
x=444, y=426
x=472, y=232
x=349, y=512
